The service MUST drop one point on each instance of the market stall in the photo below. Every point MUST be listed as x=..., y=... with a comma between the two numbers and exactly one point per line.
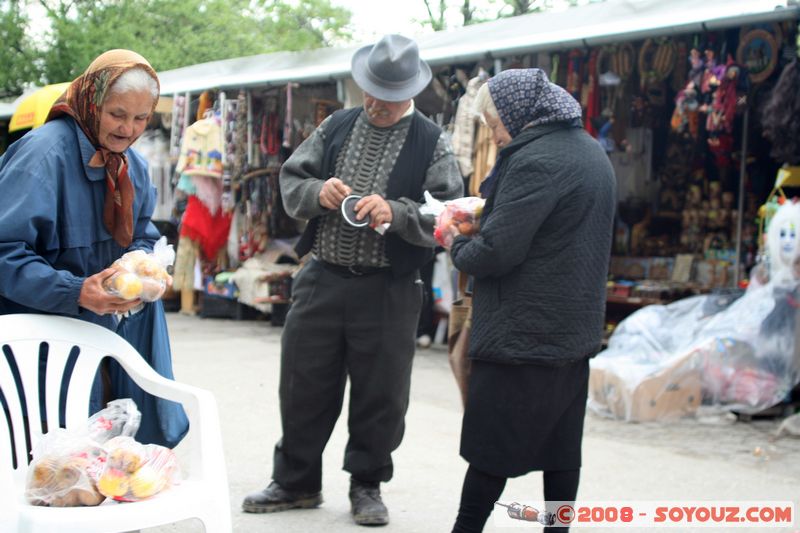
x=673, y=91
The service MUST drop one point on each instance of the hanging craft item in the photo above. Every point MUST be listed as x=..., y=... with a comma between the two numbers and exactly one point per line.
x=270, y=131
x=773, y=28
x=622, y=61
x=758, y=52
x=593, y=119
x=201, y=149
x=604, y=66
x=575, y=74
x=656, y=62
x=204, y=104
x=288, y=123
x=723, y=105
x=679, y=72
x=779, y=118
x=722, y=111
x=240, y=137
x=608, y=79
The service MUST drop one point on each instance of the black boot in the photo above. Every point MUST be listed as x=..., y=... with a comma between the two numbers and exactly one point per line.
x=275, y=498
x=366, y=505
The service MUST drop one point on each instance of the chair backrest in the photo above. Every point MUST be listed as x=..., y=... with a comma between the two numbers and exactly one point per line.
x=47, y=367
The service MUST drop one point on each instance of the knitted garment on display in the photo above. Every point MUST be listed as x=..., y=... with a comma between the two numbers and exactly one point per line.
x=526, y=98
x=201, y=149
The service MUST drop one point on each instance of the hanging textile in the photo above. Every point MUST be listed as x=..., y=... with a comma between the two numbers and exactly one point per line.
x=287, y=123
x=205, y=103
x=464, y=129
x=201, y=149
x=593, y=97
x=575, y=74
x=485, y=155
x=211, y=231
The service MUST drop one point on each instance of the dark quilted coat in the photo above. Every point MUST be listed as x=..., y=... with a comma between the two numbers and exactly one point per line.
x=540, y=261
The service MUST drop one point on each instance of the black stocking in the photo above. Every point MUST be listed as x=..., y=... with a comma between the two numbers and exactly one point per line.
x=478, y=495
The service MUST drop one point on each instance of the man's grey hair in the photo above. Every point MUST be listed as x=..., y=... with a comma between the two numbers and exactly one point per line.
x=484, y=103
x=135, y=80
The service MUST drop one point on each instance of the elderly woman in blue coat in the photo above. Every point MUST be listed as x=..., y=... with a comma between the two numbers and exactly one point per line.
x=74, y=197
x=539, y=266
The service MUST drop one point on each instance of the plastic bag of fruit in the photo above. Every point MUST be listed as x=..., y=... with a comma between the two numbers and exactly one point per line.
x=142, y=275
x=135, y=471
x=454, y=217
x=67, y=463
x=63, y=471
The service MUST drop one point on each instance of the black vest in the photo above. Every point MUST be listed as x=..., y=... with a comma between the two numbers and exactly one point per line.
x=405, y=180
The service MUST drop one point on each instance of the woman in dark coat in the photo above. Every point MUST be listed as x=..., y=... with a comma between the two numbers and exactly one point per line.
x=540, y=264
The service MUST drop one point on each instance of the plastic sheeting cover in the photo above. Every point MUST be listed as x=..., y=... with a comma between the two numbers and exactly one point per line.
x=664, y=361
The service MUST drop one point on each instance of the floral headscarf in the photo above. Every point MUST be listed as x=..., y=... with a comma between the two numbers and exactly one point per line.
x=526, y=98
x=82, y=101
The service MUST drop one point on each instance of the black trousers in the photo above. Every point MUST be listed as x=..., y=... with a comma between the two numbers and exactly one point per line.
x=361, y=328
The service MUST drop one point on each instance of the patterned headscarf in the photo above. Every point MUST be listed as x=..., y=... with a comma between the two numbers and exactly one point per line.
x=82, y=101
x=525, y=98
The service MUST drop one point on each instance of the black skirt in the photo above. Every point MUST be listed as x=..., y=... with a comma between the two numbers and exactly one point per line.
x=521, y=418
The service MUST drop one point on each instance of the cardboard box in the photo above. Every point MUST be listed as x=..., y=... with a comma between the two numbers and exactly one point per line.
x=670, y=393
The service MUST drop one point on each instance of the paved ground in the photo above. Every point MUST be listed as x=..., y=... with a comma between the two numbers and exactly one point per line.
x=719, y=459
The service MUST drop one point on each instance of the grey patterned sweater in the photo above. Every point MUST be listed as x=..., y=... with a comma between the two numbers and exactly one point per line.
x=364, y=163
x=541, y=258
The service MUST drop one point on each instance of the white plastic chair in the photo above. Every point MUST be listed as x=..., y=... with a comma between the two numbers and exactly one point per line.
x=24, y=339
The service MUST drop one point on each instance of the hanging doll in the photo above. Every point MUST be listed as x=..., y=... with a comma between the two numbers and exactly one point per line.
x=685, y=117
x=777, y=331
x=722, y=111
x=697, y=66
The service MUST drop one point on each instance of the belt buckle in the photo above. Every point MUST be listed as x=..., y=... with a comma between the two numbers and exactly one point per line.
x=354, y=270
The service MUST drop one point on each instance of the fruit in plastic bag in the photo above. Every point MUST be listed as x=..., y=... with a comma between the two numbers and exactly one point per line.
x=126, y=285
x=113, y=483
x=148, y=269
x=63, y=477
x=146, y=482
x=67, y=464
x=135, y=471
x=458, y=217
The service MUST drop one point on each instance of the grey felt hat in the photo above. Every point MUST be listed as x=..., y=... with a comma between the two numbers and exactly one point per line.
x=391, y=69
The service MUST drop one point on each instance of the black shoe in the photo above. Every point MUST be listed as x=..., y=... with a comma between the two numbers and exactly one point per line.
x=275, y=498
x=366, y=505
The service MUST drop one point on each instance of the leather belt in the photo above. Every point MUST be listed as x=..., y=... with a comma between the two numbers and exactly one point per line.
x=353, y=271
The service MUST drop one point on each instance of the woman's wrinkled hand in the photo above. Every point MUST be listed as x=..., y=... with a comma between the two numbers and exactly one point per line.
x=98, y=300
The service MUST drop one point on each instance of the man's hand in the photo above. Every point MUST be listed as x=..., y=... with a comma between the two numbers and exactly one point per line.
x=376, y=207
x=333, y=192
x=96, y=299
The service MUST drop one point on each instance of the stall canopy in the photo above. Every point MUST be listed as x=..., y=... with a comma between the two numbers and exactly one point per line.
x=590, y=25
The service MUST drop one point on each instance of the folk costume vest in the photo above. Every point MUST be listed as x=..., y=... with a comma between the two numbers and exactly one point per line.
x=405, y=180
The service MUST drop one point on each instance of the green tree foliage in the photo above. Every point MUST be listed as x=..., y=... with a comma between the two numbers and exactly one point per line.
x=18, y=59
x=477, y=11
x=172, y=34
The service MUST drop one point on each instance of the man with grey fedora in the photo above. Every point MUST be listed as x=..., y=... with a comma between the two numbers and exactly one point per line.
x=357, y=300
